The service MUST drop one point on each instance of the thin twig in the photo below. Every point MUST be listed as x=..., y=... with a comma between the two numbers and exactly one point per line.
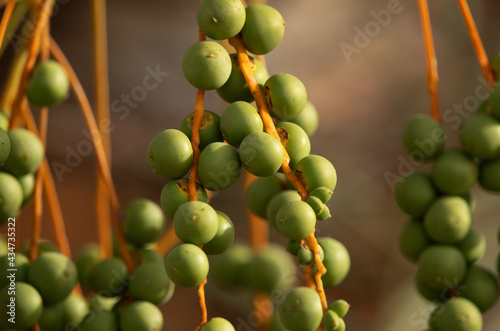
x=6, y=18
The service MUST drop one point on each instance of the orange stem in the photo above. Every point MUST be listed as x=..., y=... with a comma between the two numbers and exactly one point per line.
x=104, y=169
x=37, y=217
x=166, y=242
x=476, y=42
x=203, y=306
x=312, y=243
x=260, y=99
x=432, y=72
x=308, y=270
x=6, y=18
x=195, y=142
x=259, y=229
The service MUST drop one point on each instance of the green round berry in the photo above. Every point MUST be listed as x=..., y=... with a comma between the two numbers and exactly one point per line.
x=229, y=268
x=16, y=261
x=261, y=154
x=4, y=146
x=340, y=307
x=454, y=172
x=186, y=265
x=223, y=238
x=431, y=294
x=480, y=286
x=457, y=314
x=48, y=85
x=308, y=119
x=322, y=193
x=332, y=322
x=54, y=276
x=336, y=261
x=414, y=193
x=441, y=267
x=296, y=220
x=262, y=190
x=423, y=137
x=170, y=154
x=28, y=185
x=306, y=257
x=301, y=310
x=149, y=282
x=26, y=154
x=218, y=324
x=473, y=246
x=278, y=201
x=146, y=255
x=489, y=175
x=293, y=247
x=74, y=308
x=109, y=277
x=11, y=196
x=196, y=222
x=480, y=136
x=295, y=141
x=219, y=167
x=236, y=87
x=315, y=171
x=85, y=260
x=141, y=316
x=286, y=96
x=52, y=318
x=209, y=129
x=220, y=19
x=263, y=30
x=448, y=219
x=238, y=121
x=413, y=240
x=176, y=193
x=144, y=222
x=206, y=65
x=28, y=306
x=100, y=320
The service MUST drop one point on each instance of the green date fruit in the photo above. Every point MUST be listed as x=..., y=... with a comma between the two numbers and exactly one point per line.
x=170, y=154
x=176, y=193
x=238, y=121
x=144, y=222
x=209, y=128
x=186, y=265
x=48, y=85
x=261, y=154
x=219, y=167
x=301, y=310
x=423, y=138
x=26, y=152
x=196, y=222
x=220, y=19
x=263, y=30
x=29, y=306
x=286, y=96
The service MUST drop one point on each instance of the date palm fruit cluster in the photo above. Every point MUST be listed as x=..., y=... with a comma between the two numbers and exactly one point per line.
x=440, y=236
x=21, y=151
x=236, y=140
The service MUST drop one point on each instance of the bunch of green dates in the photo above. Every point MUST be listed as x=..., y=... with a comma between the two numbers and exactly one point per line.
x=440, y=237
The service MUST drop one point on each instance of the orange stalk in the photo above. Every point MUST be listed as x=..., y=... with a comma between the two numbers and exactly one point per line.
x=308, y=271
x=104, y=169
x=195, y=142
x=260, y=99
x=203, y=306
x=6, y=18
x=259, y=230
x=166, y=242
x=476, y=42
x=102, y=109
x=36, y=227
x=312, y=243
x=432, y=72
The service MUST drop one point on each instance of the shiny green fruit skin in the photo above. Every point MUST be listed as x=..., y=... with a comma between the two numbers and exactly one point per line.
x=238, y=120
x=75, y=308
x=301, y=310
x=109, y=277
x=186, y=265
x=220, y=19
x=473, y=246
x=209, y=128
x=306, y=257
x=263, y=30
x=322, y=193
x=28, y=185
x=332, y=322
x=196, y=222
x=296, y=220
x=454, y=172
x=144, y=222
x=457, y=314
x=11, y=196
x=448, y=219
x=316, y=171
x=423, y=138
x=308, y=119
x=26, y=152
x=340, y=307
x=4, y=146
x=85, y=260
x=295, y=140
x=170, y=154
x=223, y=238
x=480, y=136
x=337, y=261
x=28, y=306
x=278, y=201
x=100, y=320
x=413, y=240
x=414, y=193
x=441, y=267
x=206, y=65
x=286, y=96
x=236, y=87
x=271, y=269
x=218, y=324
x=54, y=276
x=261, y=154
x=480, y=286
x=48, y=85
x=228, y=270
x=431, y=294
x=219, y=167
x=141, y=316
x=21, y=264
x=262, y=190
x=176, y=193
x=149, y=282
x=489, y=175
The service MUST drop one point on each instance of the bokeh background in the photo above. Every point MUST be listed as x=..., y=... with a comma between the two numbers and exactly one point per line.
x=364, y=100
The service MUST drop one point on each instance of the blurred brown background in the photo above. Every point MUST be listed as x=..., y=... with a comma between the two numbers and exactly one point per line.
x=364, y=100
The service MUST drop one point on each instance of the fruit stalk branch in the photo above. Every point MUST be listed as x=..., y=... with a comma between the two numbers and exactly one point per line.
x=6, y=18
x=430, y=52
